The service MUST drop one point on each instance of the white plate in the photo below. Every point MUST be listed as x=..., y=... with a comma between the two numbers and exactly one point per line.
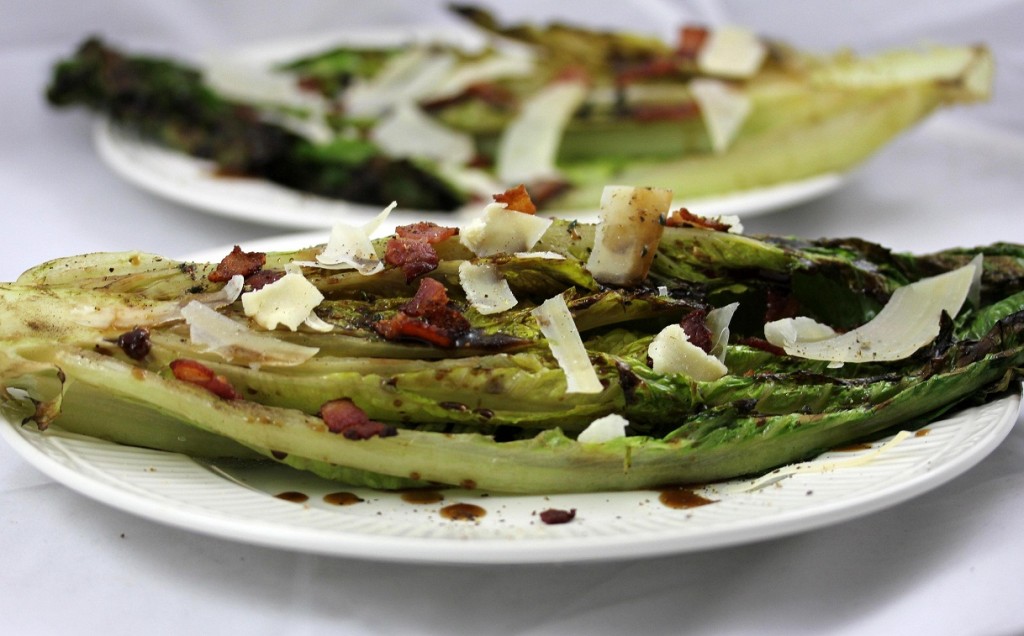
x=195, y=183
x=241, y=505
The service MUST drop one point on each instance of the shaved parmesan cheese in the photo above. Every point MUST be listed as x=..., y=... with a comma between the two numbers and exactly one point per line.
x=237, y=343
x=288, y=301
x=672, y=352
x=909, y=321
x=502, y=231
x=566, y=345
x=717, y=322
x=349, y=247
x=632, y=222
x=799, y=329
x=485, y=288
x=604, y=429
x=731, y=52
x=407, y=77
x=407, y=132
x=529, y=144
x=723, y=108
x=488, y=69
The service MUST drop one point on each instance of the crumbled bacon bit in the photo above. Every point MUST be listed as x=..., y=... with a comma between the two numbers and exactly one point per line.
x=199, y=374
x=696, y=330
x=426, y=317
x=654, y=67
x=554, y=516
x=517, y=199
x=684, y=218
x=345, y=418
x=238, y=263
x=262, y=278
x=412, y=256
x=763, y=345
x=412, y=250
x=426, y=231
x=135, y=343
x=691, y=41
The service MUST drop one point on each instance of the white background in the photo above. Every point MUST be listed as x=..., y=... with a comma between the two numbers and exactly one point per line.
x=949, y=562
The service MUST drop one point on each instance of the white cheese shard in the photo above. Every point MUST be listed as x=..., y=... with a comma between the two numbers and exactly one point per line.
x=909, y=321
x=502, y=231
x=288, y=301
x=723, y=108
x=405, y=78
x=407, y=132
x=627, y=237
x=604, y=429
x=672, y=352
x=349, y=247
x=563, y=338
x=237, y=343
x=485, y=288
x=732, y=52
x=499, y=66
x=529, y=144
x=717, y=322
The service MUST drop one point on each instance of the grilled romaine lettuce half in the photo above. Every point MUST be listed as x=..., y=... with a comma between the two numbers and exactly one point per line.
x=639, y=117
x=491, y=410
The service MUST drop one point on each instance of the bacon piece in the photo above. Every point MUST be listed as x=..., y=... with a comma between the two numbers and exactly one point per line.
x=238, y=263
x=691, y=41
x=412, y=250
x=654, y=67
x=199, y=374
x=684, y=218
x=517, y=199
x=763, y=345
x=426, y=231
x=425, y=317
x=262, y=278
x=412, y=256
x=345, y=418
x=696, y=330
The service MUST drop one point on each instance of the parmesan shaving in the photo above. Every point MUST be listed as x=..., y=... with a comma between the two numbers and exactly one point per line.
x=909, y=321
x=604, y=429
x=407, y=77
x=717, y=322
x=407, y=132
x=502, y=231
x=672, y=352
x=632, y=222
x=288, y=301
x=349, y=247
x=529, y=144
x=731, y=52
x=237, y=343
x=723, y=109
x=563, y=338
x=485, y=288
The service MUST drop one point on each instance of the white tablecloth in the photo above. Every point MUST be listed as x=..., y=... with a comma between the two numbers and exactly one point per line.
x=947, y=562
